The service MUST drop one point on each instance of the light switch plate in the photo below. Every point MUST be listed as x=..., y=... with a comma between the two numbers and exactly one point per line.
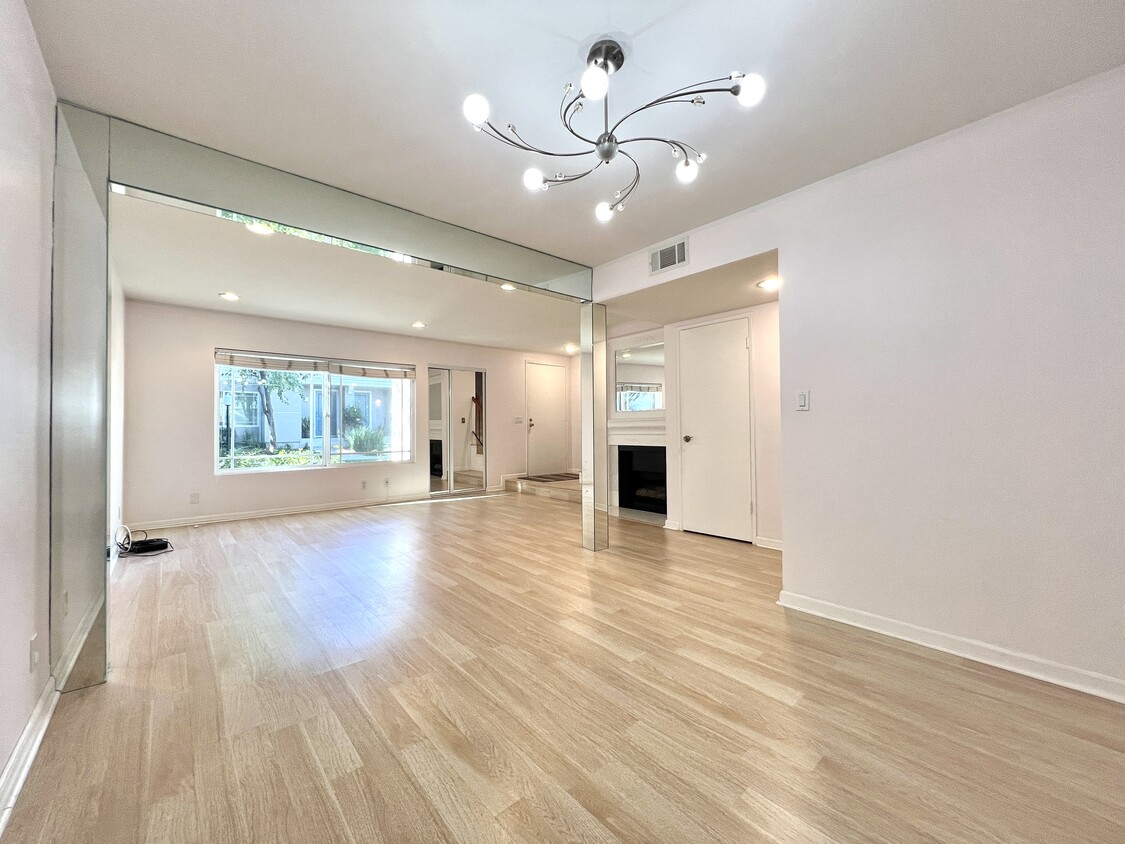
x=804, y=399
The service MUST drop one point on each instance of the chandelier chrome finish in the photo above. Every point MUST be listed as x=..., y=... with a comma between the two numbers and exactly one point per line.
x=605, y=58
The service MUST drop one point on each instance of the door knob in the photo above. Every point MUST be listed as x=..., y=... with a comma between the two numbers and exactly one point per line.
x=687, y=438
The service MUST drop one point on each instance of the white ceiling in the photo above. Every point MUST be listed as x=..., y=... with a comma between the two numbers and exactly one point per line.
x=181, y=257
x=367, y=95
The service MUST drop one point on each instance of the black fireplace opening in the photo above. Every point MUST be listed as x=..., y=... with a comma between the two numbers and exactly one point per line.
x=642, y=478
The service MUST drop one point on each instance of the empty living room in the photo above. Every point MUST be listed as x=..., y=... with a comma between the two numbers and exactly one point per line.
x=388, y=461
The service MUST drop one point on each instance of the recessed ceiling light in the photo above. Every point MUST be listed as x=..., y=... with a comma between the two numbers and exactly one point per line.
x=117, y=188
x=259, y=228
x=770, y=284
x=570, y=348
x=418, y=324
x=229, y=296
x=507, y=285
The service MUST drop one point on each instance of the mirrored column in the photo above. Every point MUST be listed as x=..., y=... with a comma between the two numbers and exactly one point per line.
x=595, y=445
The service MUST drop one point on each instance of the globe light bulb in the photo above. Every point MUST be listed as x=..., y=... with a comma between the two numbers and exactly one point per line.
x=533, y=178
x=595, y=83
x=476, y=109
x=687, y=171
x=753, y=89
x=603, y=211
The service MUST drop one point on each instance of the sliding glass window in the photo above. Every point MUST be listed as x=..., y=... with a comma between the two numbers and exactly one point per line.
x=277, y=412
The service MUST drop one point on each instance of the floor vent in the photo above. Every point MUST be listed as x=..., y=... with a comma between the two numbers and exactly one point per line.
x=670, y=256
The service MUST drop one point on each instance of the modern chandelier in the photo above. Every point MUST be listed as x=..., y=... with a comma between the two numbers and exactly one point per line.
x=605, y=58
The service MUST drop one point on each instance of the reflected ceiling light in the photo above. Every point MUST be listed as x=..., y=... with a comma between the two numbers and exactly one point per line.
x=229, y=296
x=507, y=285
x=770, y=284
x=626, y=354
x=570, y=348
x=116, y=188
x=418, y=324
x=604, y=59
x=260, y=228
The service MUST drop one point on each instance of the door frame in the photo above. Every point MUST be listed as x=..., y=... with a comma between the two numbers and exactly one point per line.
x=674, y=417
x=565, y=367
x=448, y=438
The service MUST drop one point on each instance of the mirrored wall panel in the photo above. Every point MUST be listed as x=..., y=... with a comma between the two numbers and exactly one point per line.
x=79, y=400
x=457, y=430
x=639, y=379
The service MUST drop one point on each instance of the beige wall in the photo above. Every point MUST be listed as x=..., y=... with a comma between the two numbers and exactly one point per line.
x=27, y=129
x=956, y=311
x=169, y=414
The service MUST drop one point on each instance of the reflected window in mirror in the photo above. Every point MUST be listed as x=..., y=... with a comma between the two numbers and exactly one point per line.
x=639, y=379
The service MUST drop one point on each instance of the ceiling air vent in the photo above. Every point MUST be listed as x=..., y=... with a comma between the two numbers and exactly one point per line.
x=670, y=256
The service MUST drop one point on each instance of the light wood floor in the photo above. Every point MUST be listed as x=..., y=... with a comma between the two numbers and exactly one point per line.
x=462, y=671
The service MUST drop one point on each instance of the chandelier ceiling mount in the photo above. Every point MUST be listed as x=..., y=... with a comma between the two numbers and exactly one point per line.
x=605, y=58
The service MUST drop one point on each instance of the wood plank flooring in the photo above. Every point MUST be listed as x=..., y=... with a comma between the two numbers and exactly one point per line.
x=462, y=671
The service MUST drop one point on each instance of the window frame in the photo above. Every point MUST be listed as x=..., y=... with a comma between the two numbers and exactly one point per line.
x=326, y=421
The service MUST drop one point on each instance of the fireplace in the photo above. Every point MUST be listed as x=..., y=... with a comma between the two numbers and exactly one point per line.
x=642, y=478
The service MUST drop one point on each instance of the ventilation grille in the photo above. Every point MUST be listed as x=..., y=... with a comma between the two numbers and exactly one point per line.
x=670, y=256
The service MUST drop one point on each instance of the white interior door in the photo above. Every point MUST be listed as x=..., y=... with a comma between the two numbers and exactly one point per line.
x=716, y=473
x=546, y=419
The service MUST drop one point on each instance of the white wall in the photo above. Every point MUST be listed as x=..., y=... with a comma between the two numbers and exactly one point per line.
x=169, y=414
x=27, y=127
x=958, y=312
x=765, y=396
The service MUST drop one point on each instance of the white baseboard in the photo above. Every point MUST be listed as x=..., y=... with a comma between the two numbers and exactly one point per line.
x=19, y=763
x=276, y=511
x=766, y=542
x=1079, y=679
x=670, y=525
x=77, y=639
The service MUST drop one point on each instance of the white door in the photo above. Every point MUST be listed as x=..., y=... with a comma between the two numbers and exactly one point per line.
x=546, y=419
x=716, y=474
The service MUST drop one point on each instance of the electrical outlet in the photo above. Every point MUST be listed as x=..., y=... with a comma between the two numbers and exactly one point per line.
x=66, y=603
x=33, y=654
x=193, y=498
x=363, y=485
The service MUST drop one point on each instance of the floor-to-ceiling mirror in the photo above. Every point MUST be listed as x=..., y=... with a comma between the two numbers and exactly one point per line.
x=457, y=430
x=79, y=394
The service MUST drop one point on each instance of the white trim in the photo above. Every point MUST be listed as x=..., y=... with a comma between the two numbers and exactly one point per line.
x=1090, y=682
x=670, y=525
x=77, y=640
x=276, y=511
x=19, y=763
x=766, y=542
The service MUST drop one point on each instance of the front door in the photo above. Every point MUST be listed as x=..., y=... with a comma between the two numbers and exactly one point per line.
x=547, y=447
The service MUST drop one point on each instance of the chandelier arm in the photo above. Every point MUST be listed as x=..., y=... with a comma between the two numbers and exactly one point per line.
x=567, y=179
x=568, y=115
x=683, y=147
x=622, y=196
x=547, y=152
x=632, y=185
x=700, y=85
x=521, y=144
x=673, y=97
